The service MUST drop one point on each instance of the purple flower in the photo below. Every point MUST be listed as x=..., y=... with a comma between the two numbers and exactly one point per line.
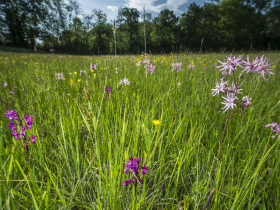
x=33, y=138
x=5, y=84
x=229, y=101
x=11, y=92
x=15, y=87
x=133, y=166
x=150, y=68
x=12, y=115
x=179, y=83
x=23, y=129
x=128, y=181
x=144, y=169
x=230, y=64
x=11, y=126
x=16, y=134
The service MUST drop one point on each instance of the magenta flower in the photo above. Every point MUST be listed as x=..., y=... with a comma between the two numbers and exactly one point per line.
x=33, y=138
x=133, y=166
x=229, y=101
x=230, y=64
x=11, y=126
x=128, y=181
x=12, y=115
x=16, y=134
x=5, y=84
x=11, y=92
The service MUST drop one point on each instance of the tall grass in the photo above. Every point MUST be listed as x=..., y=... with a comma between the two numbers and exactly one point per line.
x=83, y=143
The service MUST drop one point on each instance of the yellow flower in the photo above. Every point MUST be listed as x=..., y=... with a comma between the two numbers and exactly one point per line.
x=156, y=122
x=79, y=80
x=94, y=75
x=75, y=72
x=143, y=125
x=92, y=70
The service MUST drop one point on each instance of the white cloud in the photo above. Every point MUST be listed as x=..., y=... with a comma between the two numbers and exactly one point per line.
x=112, y=8
x=149, y=5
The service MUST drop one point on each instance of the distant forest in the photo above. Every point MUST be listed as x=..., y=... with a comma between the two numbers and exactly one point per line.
x=230, y=25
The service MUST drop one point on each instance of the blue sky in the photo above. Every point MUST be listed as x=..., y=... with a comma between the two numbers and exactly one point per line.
x=110, y=7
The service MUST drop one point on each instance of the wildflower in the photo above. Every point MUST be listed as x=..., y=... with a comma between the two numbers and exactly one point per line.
x=263, y=66
x=179, y=83
x=230, y=65
x=5, y=84
x=143, y=126
x=15, y=87
x=75, y=72
x=93, y=66
x=16, y=135
x=92, y=70
x=11, y=126
x=275, y=128
x=33, y=138
x=246, y=101
x=220, y=87
x=124, y=81
x=12, y=115
x=156, y=122
x=133, y=166
x=105, y=69
x=229, y=101
x=82, y=72
x=150, y=68
x=191, y=67
x=11, y=92
x=251, y=66
x=59, y=76
x=94, y=75
x=177, y=67
x=79, y=80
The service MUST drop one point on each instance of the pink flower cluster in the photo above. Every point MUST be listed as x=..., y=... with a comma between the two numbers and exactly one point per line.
x=124, y=81
x=177, y=67
x=93, y=66
x=149, y=66
x=59, y=76
x=82, y=72
x=228, y=68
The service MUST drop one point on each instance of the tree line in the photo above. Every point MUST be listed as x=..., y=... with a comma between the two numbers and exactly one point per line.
x=216, y=26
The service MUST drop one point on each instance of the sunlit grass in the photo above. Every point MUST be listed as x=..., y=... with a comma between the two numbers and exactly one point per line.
x=84, y=142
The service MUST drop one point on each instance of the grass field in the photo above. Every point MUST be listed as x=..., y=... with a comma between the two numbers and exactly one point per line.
x=170, y=120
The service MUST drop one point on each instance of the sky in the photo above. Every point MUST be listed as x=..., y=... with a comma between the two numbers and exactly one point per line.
x=110, y=7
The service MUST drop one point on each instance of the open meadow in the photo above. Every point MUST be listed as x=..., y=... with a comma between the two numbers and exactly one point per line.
x=72, y=128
